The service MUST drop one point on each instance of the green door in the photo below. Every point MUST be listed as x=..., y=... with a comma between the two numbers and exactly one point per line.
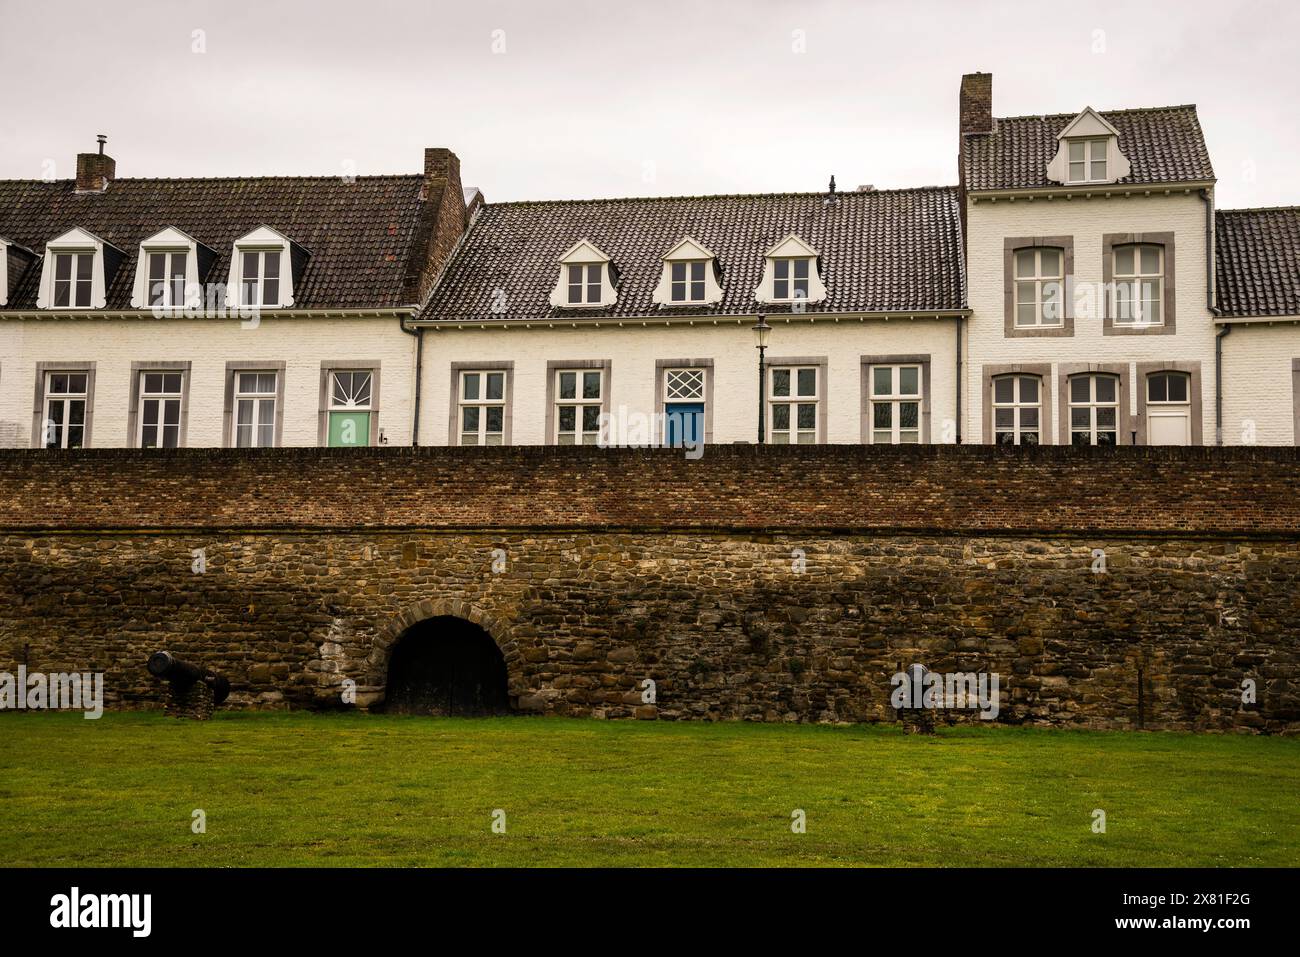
x=349, y=428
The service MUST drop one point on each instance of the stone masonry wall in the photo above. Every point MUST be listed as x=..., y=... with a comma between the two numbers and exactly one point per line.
x=785, y=616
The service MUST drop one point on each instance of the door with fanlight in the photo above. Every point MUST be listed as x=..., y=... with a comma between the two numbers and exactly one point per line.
x=350, y=406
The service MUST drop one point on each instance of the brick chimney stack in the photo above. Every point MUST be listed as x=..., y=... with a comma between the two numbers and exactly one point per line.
x=95, y=170
x=443, y=220
x=976, y=103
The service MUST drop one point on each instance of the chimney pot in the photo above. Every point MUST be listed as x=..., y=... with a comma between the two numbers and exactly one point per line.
x=976, y=103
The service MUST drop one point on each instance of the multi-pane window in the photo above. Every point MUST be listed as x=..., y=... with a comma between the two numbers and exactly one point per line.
x=255, y=397
x=482, y=408
x=1094, y=409
x=65, y=409
x=687, y=281
x=579, y=399
x=790, y=278
x=793, y=405
x=1167, y=388
x=160, y=409
x=1087, y=161
x=684, y=385
x=1139, y=284
x=350, y=405
x=1039, y=286
x=167, y=278
x=584, y=284
x=895, y=404
x=259, y=277
x=72, y=278
x=1017, y=410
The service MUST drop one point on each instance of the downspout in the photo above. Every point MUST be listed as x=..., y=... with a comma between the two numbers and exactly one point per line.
x=1211, y=303
x=961, y=386
x=419, y=369
x=1219, y=336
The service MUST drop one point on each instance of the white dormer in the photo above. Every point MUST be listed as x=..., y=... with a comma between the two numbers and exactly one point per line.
x=790, y=274
x=690, y=276
x=1088, y=152
x=76, y=271
x=4, y=271
x=586, y=278
x=261, y=270
x=169, y=271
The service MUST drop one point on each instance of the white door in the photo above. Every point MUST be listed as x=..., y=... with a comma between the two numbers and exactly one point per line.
x=1169, y=428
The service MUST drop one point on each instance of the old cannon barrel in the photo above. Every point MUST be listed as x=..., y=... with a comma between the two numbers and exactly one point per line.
x=165, y=665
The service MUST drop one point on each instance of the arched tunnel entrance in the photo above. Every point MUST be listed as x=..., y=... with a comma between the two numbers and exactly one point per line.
x=446, y=666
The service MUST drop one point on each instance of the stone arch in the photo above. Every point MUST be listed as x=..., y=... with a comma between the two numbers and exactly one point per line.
x=428, y=608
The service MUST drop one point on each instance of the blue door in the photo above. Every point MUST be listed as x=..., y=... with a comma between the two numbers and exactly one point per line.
x=684, y=423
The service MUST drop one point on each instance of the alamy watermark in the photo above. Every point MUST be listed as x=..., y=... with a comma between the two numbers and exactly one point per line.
x=919, y=687
x=37, y=691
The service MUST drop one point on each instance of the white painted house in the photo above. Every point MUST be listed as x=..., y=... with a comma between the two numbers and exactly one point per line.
x=1077, y=286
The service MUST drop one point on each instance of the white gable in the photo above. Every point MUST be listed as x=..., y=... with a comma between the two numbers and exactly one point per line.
x=1087, y=123
x=689, y=248
x=584, y=251
x=791, y=247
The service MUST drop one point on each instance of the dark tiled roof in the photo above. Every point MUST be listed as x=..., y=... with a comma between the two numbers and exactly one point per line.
x=359, y=234
x=1257, y=258
x=1163, y=144
x=880, y=251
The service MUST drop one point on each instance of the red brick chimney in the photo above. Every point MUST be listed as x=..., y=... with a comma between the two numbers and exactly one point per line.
x=976, y=103
x=443, y=221
x=95, y=170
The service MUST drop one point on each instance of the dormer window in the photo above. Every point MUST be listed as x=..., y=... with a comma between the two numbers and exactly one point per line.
x=259, y=277
x=264, y=268
x=1088, y=161
x=76, y=270
x=688, y=281
x=1088, y=152
x=74, y=279
x=170, y=271
x=584, y=284
x=690, y=276
x=791, y=274
x=586, y=278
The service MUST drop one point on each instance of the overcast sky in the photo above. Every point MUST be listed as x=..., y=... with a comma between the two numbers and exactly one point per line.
x=583, y=99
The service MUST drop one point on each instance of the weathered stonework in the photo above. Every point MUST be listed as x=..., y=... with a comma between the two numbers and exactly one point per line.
x=728, y=623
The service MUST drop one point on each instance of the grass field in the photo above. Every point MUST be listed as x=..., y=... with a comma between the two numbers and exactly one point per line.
x=304, y=789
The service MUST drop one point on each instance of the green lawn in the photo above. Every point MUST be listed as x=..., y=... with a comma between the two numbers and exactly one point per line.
x=304, y=789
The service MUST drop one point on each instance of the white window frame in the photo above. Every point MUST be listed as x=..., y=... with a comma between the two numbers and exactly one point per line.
x=793, y=433
x=797, y=288
x=1018, y=406
x=74, y=280
x=261, y=279
x=169, y=298
x=1031, y=289
x=689, y=283
x=66, y=400
x=580, y=434
x=1134, y=282
x=1090, y=148
x=590, y=284
x=258, y=399
x=894, y=400
x=482, y=403
x=1167, y=374
x=163, y=398
x=1093, y=405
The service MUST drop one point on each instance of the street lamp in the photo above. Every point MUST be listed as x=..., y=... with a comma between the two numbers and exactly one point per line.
x=761, y=332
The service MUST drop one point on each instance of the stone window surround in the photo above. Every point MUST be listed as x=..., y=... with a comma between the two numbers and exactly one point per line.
x=1194, y=396
x=508, y=397
x=133, y=410
x=38, y=408
x=1124, y=421
x=923, y=360
x=661, y=368
x=823, y=392
x=326, y=395
x=1043, y=372
x=1010, y=246
x=1168, y=311
x=228, y=418
x=577, y=365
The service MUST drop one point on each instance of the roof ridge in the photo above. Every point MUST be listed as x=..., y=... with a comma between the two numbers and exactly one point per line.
x=678, y=198
x=1262, y=209
x=1128, y=109
x=222, y=179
